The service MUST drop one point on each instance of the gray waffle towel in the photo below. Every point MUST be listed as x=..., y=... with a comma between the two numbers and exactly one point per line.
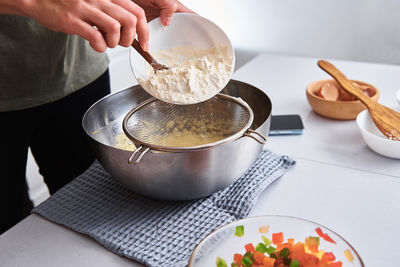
x=155, y=232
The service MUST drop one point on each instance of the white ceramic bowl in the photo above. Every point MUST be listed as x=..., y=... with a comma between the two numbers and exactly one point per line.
x=398, y=96
x=185, y=29
x=375, y=139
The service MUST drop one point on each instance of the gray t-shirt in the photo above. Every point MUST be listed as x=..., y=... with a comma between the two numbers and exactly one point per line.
x=38, y=66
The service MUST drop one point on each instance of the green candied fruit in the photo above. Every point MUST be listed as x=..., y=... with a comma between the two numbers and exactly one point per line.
x=239, y=230
x=221, y=262
x=247, y=261
x=261, y=248
x=266, y=240
x=284, y=253
x=248, y=254
x=235, y=264
x=295, y=263
x=270, y=250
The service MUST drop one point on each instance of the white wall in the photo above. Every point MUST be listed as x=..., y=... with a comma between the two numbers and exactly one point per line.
x=365, y=30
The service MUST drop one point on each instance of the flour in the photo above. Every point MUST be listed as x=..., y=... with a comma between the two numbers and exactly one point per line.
x=194, y=74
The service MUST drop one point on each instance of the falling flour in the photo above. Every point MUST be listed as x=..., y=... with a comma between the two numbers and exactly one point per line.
x=194, y=74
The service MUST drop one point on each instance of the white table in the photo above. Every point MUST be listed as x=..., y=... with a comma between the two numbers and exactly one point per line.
x=337, y=181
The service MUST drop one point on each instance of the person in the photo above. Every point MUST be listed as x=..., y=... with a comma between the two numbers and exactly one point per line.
x=52, y=69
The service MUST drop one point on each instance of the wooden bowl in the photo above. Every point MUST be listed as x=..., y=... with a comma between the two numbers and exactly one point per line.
x=341, y=110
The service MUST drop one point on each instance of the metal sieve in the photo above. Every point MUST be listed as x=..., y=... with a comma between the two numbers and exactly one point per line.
x=177, y=128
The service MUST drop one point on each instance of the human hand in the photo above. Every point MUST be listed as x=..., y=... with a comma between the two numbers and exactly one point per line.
x=116, y=21
x=164, y=9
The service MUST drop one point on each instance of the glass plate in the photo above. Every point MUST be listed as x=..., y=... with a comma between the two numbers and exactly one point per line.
x=224, y=244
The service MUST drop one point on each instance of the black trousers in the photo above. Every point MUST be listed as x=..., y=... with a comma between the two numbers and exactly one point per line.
x=58, y=143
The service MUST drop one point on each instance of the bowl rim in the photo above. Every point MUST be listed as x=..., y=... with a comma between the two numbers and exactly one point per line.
x=363, y=116
x=191, y=259
x=186, y=15
x=234, y=82
x=311, y=93
x=241, y=133
x=398, y=96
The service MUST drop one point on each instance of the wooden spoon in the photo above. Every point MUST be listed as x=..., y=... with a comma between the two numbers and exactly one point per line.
x=387, y=120
x=149, y=58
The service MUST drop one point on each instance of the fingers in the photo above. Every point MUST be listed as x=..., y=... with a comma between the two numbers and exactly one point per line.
x=117, y=23
x=143, y=32
x=124, y=30
x=91, y=34
x=168, y=8
x=140, y=27
x=106, y=24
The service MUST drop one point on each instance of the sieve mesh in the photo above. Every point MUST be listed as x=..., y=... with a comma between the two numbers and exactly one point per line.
x=163, y=125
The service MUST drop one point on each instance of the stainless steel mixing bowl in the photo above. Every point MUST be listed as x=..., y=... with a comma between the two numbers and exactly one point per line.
x=172, y=175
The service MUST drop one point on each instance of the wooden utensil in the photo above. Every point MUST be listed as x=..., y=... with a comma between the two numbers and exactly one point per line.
x=148, y=57
x=387, y=120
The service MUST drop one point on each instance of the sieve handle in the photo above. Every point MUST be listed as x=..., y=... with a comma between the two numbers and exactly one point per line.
x=131, y=161
x=249, y=133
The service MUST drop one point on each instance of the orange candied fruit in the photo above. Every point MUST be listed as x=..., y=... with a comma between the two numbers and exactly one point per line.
x=299, y=254
x=249, y=247
x=258, y=257
x=312, y=244
x=237, y=258
x=348, y=255
x=263, y=229
x=268, y=262
x=277, y=238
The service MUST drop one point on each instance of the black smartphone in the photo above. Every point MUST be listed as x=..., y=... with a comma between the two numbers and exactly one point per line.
x=286, y=125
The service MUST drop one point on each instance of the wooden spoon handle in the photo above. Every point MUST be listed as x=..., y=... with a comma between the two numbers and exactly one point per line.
x=344, y=81
x=149, y=58
x=144, y=54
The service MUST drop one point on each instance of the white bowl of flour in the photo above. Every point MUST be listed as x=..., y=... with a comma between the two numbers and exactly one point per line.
x=198, y=53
